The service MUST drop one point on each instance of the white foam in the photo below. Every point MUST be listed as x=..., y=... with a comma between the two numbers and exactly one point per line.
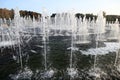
x=72, y=72
x=110, y=47
x=7, y=43
x=26, y=74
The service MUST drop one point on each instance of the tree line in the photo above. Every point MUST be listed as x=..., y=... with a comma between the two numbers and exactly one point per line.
x=5, y=13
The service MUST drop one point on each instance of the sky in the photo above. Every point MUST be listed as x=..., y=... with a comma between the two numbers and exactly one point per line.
x=52, y=6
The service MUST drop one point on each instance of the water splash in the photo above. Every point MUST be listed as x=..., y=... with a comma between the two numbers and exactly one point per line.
x=25, y=74
x=72, y=72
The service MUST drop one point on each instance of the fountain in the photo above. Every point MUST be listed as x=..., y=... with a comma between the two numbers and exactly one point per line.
x=18, y=28
x=24, y=72
x=28, y=36
x=48, y=73
x=45, y=39
x=113, y=30
x=61, y=24
x=117, y=32
x=99, y=31
x=82, y=32
x=72, y=71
